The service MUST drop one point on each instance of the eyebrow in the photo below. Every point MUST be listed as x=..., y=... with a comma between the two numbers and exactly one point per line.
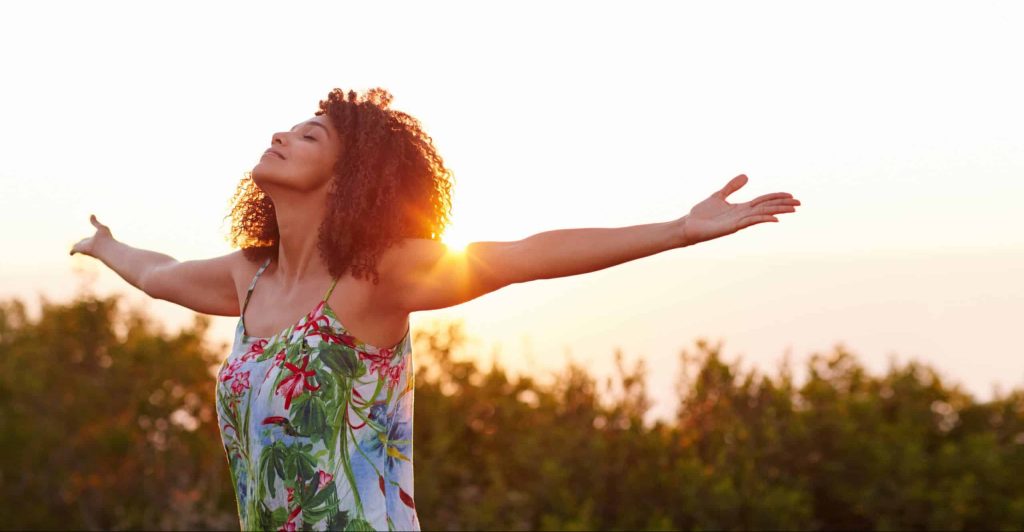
x=313, y=124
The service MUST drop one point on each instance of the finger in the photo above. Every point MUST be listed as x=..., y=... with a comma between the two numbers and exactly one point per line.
x=732, y=186
x=772, y=212
x=777, y=206
x=751, y=220
x=97, y=223
x=774, y=196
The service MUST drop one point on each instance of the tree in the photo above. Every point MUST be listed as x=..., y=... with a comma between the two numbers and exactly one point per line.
x=106, y=422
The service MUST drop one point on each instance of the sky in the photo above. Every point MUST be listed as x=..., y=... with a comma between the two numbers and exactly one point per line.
x=897, y=126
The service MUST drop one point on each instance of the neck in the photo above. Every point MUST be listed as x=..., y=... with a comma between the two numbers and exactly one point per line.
x=298, y=224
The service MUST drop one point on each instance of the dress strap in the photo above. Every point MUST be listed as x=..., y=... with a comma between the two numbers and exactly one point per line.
x=331, y=289
x=252, y=285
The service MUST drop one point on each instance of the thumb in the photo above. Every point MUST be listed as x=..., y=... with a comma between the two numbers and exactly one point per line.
x=733, y=185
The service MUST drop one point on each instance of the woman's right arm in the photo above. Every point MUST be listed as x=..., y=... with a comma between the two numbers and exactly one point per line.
x=205, y=286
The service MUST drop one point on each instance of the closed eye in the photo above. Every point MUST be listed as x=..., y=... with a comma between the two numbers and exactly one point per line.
x=310, y=137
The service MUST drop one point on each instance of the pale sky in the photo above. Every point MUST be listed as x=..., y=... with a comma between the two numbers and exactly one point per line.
x=897, y=125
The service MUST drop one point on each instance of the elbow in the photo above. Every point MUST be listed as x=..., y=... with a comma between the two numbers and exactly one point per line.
x=494, y=265
x=517, y=264
x=145, y=284
x=150, y=283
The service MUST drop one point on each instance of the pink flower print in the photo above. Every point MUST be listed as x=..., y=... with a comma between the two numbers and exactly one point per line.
x=348, y=340
x=229, y=371
x=314, y=320
x=291, y=495
x=381, y=363
x=289, y=525
x=395, y=374
x=241, y=382
x=325, y=478
x=327, y=336
x=255, y=350
x=381, y=359
x=278, y=361
x=294, y=384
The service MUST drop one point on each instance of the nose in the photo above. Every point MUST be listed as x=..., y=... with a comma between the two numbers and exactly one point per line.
x=277, y=138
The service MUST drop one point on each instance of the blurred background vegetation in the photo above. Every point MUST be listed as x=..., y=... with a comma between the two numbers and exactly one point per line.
x=107, y=422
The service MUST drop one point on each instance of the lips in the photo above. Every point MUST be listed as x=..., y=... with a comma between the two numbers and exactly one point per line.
x=272, y=151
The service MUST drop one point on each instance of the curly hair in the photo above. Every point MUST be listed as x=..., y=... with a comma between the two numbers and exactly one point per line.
x=388, y=184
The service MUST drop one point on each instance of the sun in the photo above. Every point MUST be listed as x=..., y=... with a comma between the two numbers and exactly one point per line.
x=455, y=239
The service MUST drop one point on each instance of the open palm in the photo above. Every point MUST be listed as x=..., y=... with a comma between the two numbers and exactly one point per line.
x=715, y=217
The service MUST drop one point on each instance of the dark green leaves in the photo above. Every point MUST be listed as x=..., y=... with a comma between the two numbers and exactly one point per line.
x=272, y=462
x=359, y=525
x=342, y=360
x=308, y=416
x=338, y=520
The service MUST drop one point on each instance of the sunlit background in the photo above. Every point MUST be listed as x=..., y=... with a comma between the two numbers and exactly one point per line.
x=897, y=125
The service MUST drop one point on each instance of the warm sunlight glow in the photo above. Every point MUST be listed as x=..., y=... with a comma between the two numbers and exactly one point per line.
x=455, y=239
x=628, y=119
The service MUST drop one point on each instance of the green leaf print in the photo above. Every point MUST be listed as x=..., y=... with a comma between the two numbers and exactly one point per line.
x=278, y=517
x=326, y=506
x=338, y=521
x=272, y=462
x=307, y=490
x=300, y=463
x=342, y=360
x=292, y=352
x=360, y=525
x=309, y=417
x=342, y=445
x=269, y=351
x=267, y=518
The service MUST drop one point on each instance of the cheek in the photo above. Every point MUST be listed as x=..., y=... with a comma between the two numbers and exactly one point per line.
x=310, y=172
x=324, y=167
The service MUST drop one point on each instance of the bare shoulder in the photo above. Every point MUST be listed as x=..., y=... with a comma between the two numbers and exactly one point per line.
x=424, y=257
x=208, y=286
x=240, y=266
x=242, y=270
x=424, y=274
x=409, y=255
x=414, y=249
x=402, y=264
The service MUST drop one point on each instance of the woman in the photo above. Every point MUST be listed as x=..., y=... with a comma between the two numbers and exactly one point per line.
x=339, y=223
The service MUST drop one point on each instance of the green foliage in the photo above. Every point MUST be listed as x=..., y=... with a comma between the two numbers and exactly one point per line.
x=107, y=423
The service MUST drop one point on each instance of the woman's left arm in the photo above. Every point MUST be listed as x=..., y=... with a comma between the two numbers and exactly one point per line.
x=425, y=275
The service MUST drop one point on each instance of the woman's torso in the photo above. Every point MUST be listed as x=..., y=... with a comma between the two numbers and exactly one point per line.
x=315, y=420
x=356, y=301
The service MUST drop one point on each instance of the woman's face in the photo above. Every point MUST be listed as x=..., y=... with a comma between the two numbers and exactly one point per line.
x=300, y=159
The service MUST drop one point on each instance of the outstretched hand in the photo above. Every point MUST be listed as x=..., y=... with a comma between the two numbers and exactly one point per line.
x=87, y=246
x=715, y=217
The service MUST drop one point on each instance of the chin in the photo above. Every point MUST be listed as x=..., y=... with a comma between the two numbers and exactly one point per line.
x=261, y=174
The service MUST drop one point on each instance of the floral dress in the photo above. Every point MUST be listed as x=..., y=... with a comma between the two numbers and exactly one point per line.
x=317, y=427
